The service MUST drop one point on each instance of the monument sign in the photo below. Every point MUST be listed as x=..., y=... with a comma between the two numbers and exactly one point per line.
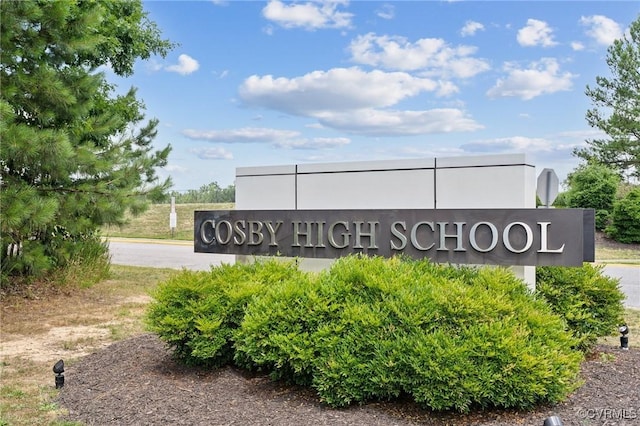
x=461, y=236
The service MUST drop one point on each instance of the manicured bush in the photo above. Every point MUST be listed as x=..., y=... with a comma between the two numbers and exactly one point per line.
x=590, y=302
x=196, y=312
x=593, y=186
x=625, y=219
x=371, y=328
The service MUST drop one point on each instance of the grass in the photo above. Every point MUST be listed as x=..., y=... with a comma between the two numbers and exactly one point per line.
x=617, y=255
x=154, y=223
x=114, y=307
x=632, y=319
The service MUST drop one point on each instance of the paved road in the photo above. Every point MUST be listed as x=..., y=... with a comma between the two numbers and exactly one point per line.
x=163, y=254
x=629, y=282
x=179, y=254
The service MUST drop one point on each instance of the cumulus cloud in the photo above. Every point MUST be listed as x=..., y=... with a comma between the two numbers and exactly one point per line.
x=514, y=143
x=289, y=139
x=185, y=66
x=602, y=29
x=357, y=101
x=215, y=153
x=312, y=143
x=471, y=28
x=242, y=135
x=386, y=11
x=373, y=122
x=536, y=33
x=541, y=77
x=433, y=56
x=310, y=15
x=339, y=89
x=577, y=46
x=172, y=168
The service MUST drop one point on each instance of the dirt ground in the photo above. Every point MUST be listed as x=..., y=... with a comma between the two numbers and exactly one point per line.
x=136, y=381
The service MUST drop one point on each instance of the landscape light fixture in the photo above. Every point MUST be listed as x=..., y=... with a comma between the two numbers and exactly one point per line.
x=58, y=369
x=624, y=339
x=552, y=421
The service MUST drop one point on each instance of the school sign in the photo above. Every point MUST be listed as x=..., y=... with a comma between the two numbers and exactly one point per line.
x=461, y=210
x=461, y=236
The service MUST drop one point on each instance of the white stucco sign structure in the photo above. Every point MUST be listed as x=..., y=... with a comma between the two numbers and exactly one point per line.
x=471, y=210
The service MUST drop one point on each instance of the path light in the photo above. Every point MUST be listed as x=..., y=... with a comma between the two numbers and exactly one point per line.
x=624, y=339
x=58, y=369
x=552, y=421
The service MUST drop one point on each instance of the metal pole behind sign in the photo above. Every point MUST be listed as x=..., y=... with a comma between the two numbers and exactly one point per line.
x=173, y=217
x=548, y=190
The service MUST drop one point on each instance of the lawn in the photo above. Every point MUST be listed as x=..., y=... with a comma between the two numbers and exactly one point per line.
x=154, y=223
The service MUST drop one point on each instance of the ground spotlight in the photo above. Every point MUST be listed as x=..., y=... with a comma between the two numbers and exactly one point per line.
x=624, y=339
x=552, y=421
x=58, y=369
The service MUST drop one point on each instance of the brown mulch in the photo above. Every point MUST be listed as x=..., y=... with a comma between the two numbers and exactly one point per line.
x=137, y=382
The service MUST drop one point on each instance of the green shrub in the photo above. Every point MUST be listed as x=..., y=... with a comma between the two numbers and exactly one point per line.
x=602, y=219
x=593, y=186
x=625, y=219
x=373, y=329
x=590, y=303
x=196, y=312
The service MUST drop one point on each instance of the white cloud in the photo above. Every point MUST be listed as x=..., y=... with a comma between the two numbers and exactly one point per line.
x=373, y=122
x=542, y=77
x=471, y=28
x=310, y=15
x=186, y=65
x=536, y=33
x=355, y=101
x=581, y=135
x=242, y=135
x=338, y=89
x=433, y=56
x=513, y=143
x=386, y=11
x=577, y=46
x=289, y=139
x=602, y=29
x=175, y=168
x=153, y=65
x=313, y=143
x=215, y=153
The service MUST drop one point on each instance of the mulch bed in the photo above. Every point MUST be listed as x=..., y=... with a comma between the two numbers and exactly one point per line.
x=137, y=382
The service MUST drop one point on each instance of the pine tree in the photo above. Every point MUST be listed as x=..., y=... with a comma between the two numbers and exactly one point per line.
x=617, y=108
x=73, y=156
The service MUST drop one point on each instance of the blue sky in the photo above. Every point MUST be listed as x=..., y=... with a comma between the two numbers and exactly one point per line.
x=271, y=82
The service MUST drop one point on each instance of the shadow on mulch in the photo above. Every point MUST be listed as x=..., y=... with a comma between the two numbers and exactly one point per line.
x=136, y=381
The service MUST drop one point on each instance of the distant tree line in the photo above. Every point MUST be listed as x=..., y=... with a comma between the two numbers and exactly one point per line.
x=210, y=193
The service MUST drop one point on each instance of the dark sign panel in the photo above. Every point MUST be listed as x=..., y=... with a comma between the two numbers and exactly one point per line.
x=476, y=236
